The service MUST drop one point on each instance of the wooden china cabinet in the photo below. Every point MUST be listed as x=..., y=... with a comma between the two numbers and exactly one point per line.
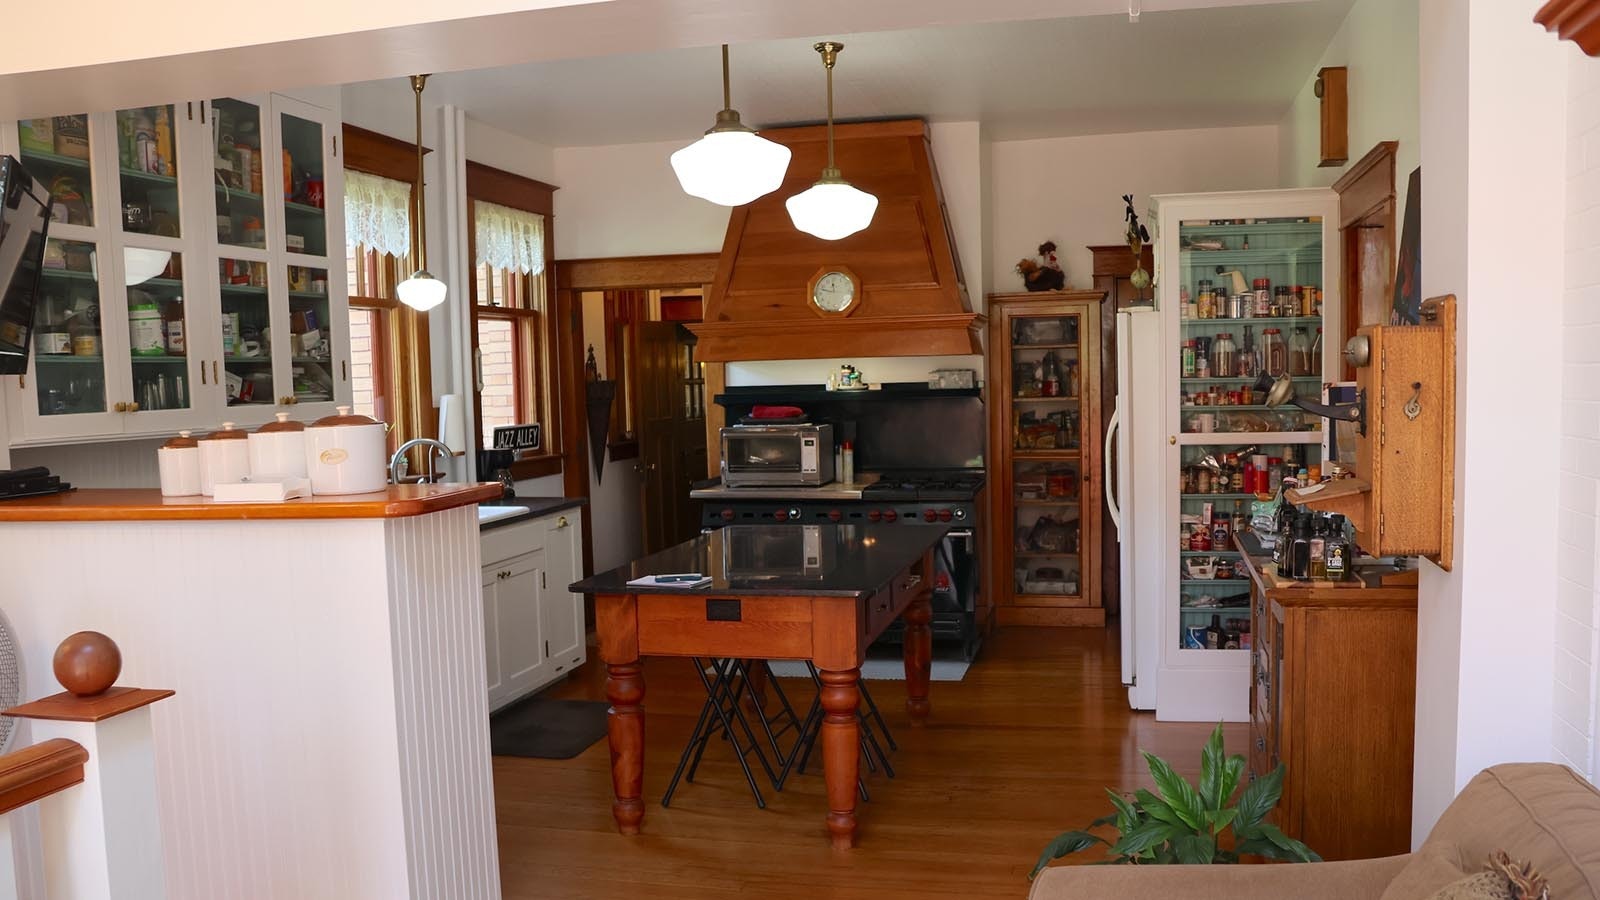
x=1045, y=455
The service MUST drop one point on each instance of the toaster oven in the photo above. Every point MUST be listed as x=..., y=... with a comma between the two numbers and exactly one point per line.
x=777, y=455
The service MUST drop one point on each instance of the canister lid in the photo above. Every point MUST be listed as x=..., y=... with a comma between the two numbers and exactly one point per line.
x=282, y=425
x=345, y=417
x=182, y=442
x=228, y=432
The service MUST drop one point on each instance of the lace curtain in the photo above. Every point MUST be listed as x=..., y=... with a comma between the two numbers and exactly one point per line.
x=506, y=238
x=377, y=213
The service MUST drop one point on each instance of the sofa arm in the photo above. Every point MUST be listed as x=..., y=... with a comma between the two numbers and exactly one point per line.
x=1353, y=880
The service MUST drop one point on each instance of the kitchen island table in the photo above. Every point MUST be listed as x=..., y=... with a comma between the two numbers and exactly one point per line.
x=817, y=592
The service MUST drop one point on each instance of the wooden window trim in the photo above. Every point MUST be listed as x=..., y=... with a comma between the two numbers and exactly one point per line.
x=380, y=154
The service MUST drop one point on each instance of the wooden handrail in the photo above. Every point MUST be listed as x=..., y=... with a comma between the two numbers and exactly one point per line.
x=36, y=772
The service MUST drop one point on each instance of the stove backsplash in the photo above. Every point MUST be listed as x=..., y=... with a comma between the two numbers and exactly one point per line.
x=899, y=433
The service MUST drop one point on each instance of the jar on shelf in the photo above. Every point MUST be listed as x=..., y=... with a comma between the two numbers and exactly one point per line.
x=1224, y=356
x=1274, y=352
x=1282, y=302
x=1301, y=360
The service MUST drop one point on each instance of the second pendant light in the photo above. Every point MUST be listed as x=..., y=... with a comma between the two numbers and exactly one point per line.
x=832, y=208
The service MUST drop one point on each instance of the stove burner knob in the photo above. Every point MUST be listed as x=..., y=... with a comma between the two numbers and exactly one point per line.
x=929, y=515
x=794, y=513
x=890, y=515
x=874, y=516
x=959, y=513
x=727, y=515
x=944, y=515
x=781, y=515
x=835, y=515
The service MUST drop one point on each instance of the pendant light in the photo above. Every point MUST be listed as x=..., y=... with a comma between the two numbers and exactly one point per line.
x=832, y=208
x=731, y=165
x=421, y=291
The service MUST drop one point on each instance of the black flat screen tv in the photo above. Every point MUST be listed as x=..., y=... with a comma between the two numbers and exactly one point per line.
x=24, y=220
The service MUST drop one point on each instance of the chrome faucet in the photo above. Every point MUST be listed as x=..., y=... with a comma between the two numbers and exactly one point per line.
x=398, y=462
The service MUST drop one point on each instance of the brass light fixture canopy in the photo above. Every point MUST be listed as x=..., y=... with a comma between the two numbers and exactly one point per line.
x=731, y=165
x=421, y=291
x=832, y=208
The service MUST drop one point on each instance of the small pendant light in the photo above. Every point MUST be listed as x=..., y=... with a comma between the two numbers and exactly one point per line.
x=731, y=165
x=421, y=291
x=832, y=208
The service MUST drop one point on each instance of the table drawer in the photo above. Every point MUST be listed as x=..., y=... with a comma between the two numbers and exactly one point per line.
x=880, y=611
x=763, y=627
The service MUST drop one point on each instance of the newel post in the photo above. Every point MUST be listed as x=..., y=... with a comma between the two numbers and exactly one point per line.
x=102, y=840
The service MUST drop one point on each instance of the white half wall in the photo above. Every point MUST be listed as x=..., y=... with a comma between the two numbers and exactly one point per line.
x=1378, y=43
x=1069, y=190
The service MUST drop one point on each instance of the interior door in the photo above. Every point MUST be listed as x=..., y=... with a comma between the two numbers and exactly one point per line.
x=672, y=435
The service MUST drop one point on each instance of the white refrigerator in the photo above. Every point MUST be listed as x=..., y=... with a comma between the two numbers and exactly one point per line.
x=1186, y=642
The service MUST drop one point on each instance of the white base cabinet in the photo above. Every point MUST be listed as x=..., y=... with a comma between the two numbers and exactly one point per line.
x=533, y=630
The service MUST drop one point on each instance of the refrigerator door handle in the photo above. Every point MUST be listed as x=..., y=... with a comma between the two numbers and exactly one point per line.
x=1113, y=502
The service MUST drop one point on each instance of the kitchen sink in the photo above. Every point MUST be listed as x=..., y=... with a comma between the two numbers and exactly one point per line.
x=487, y=514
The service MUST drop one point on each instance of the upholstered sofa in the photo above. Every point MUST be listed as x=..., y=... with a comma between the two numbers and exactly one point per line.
x=1542, y=813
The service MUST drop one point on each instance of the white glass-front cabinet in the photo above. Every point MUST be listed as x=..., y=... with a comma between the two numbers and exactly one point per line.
x=187, y=279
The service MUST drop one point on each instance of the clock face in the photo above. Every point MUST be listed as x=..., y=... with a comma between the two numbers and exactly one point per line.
x=834, y=292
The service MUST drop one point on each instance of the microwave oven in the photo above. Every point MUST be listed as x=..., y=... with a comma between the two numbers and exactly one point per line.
x=777, y=455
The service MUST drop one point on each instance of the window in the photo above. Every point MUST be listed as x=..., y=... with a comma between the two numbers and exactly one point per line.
x=513, y=331
x=389, y=358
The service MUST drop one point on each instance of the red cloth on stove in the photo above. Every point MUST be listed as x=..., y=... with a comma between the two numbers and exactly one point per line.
x=776, y=412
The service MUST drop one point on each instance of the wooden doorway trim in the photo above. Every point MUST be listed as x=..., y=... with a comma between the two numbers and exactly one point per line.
x=575, y=277
x=1366, y=206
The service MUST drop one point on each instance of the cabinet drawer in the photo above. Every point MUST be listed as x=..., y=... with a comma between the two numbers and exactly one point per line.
x=766, y=627
x=880, y=611
x=512, y=540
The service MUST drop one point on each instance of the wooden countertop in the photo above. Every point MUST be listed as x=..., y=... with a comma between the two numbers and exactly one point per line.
x=1363, y=590
x=116, y=505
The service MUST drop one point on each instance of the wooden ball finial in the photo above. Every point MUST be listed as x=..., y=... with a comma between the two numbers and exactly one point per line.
x=87, y=663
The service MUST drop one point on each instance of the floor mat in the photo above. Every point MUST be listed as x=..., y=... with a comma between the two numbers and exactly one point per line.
x=547, y=729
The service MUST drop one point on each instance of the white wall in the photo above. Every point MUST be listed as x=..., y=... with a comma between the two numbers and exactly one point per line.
x=623, y=200
x=1069, y=190
x=1378, y=43
x=1577, y=662
x=1495, y=85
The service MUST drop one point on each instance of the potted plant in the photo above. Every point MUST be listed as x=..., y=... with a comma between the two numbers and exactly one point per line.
x=1187, y=824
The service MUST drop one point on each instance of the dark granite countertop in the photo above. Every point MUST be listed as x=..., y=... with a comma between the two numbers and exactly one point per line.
x=780, y=560
x=536, y=507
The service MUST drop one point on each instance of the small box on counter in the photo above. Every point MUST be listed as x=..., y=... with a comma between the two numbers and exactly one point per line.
x=952, y=379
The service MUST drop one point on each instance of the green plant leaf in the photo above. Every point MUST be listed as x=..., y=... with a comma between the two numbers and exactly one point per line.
x=1178, y=793
x=1145, y=837
x=1232, y=774
x=1294, y=849
x=1104, y=820
x=1222, y=818
x=1194, y=849
x=1064, y=843
x=1158, y=808
x=1127, y=815
x=1258, y=799
x=1211, y=770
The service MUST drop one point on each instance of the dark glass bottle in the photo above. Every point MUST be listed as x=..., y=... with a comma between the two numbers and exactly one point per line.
x=1300, y=551
x=1337, y=551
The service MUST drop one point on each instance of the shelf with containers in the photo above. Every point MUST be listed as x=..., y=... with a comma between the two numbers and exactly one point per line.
x=1044, y=443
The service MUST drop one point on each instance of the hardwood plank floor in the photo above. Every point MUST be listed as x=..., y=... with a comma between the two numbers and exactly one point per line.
x=1016, y=753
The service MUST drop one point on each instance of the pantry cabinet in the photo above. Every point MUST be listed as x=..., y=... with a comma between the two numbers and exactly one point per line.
x=533, y=628
x=188, y=277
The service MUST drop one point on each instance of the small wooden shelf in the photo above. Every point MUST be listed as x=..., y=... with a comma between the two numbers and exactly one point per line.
x=1345, y=496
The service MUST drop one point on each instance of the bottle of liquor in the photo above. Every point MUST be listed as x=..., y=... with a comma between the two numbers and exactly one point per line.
x=1337, y=552
x=1317, y=569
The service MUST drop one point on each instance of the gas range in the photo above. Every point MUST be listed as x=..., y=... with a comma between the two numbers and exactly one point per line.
x=911, y=497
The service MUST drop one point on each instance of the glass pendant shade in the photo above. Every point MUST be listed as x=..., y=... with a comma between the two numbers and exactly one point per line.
x=831, y=209
x=421, y=291
x=732, y=167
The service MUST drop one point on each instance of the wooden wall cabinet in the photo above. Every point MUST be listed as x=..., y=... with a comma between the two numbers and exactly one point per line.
x=1113, y=273
x=1044, y=458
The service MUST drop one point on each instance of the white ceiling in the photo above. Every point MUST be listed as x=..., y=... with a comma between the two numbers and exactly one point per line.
x=1225, y=66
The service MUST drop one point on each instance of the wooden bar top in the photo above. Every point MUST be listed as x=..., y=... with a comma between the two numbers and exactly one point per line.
x=130, y=505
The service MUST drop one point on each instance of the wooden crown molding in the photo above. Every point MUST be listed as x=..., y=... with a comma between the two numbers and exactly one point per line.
x=1573, y=20
x=510, y=189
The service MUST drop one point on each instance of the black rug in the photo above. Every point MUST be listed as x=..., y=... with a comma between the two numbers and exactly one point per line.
x=547, y=729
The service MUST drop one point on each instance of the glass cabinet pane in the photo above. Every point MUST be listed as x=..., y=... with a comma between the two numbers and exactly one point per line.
x=246, y=332
x=236, y=173
x=69, y=361
x=1250, y=304
x=309, y=335
x=55, y=151
x=304, y=219
x=158, y=328
x=147, y=157
x=1046, y=444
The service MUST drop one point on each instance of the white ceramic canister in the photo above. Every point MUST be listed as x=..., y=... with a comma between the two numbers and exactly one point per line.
x=179, y=461
x=347, y=454
x=279, y=448
x=224, y=457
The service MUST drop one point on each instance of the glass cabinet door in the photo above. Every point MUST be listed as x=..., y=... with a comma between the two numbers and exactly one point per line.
x=69, y=361
x=247, y=348
x=1047, y=455
x=305, y=220
x=147, y=162
x=1250, y=302
x=237, y=173
x=158, y=329
x=310, y=335
x=55, y=151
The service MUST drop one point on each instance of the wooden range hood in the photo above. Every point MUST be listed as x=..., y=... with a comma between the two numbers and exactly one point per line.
x=913, y=300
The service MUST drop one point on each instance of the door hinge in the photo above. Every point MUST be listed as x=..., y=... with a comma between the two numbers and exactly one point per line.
x=188, y=106
x=1380, y=524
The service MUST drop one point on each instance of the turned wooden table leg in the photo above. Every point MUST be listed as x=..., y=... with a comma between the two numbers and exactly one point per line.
x=841, y=739
x=625, y=733
x=919, y=657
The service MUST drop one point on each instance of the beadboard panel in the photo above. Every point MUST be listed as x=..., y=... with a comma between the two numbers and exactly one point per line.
x=441, y=705
x=293, y=760
x=117, y=464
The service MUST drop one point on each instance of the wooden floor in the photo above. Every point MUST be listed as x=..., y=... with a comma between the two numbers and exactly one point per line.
x=1017, y=752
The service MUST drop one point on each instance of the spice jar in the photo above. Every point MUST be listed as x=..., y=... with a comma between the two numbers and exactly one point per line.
x=1223, y=356
x=1274, y=351
x=1300, y=359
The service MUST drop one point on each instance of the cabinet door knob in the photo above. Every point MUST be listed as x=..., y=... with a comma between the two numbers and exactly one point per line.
x=1172, y=439
x=561, y=521
x=119, y=406
x=134, y=406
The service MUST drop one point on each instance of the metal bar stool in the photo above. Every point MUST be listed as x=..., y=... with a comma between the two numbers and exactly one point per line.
x=725, y=686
